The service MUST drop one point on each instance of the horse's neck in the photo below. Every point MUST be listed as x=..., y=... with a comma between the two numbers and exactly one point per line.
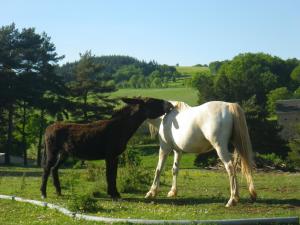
x=132, y=122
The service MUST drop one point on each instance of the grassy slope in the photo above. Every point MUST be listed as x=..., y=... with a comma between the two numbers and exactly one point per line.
x=202, y=195
x=176, y=91
x=191, y=70
x=187, y=95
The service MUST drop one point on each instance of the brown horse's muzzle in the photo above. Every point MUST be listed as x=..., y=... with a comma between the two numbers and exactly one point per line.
x=168, y=107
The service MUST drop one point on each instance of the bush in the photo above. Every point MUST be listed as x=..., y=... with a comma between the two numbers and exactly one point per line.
x=294, y=155
x=134, y=179
x=206, y=160
x=84, y=203
x=131, y=157
x=93, y=172
x=272, y=161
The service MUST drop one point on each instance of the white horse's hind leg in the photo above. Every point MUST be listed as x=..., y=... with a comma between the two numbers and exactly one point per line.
x=175, y=169
x=225, y=157
x=160, y=165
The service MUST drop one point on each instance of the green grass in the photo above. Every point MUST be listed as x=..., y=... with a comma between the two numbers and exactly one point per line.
x=202, y=195
x=188, y=95
x=191, y=70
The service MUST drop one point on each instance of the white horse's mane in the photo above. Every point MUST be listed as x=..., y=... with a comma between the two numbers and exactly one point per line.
x=154, y=123
x=180, y=106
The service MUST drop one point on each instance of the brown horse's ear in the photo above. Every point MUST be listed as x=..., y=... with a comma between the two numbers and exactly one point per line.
x=132, y=101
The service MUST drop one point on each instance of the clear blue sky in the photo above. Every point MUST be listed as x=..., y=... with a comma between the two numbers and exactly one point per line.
x=167, y=31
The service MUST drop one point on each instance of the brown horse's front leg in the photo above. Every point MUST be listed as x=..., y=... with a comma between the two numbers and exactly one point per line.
x=111, y=176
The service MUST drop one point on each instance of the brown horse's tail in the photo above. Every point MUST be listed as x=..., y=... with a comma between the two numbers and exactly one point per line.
x=242, y=144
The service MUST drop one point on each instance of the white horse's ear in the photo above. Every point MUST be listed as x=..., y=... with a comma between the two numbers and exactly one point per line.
x=132, y=101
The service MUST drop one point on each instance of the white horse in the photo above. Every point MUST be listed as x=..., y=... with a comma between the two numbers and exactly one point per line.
x=200, y=129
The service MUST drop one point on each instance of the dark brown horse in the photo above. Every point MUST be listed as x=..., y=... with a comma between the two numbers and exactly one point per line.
x=104, y=139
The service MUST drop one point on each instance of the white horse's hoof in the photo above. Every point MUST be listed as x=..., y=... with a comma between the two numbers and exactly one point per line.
x=231, y=202
x=151, y=194
x=172, y=194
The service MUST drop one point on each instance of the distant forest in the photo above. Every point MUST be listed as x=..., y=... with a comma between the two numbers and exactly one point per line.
x=125, y=72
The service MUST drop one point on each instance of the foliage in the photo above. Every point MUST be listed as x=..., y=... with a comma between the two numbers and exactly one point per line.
x=87, y=83
x=273, y=161
x=294, y=144
x=206, y=160
x=295, y=75
x=93, y=172
x=126, y=72
x=27, y=62
x=264, y=133
x=130, y=157
x=83, y=203
x=281, y=93
x=134, y=179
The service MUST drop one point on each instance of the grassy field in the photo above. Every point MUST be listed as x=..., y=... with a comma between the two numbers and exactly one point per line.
x=188, y=95
x=191, y=70
x=202, y=195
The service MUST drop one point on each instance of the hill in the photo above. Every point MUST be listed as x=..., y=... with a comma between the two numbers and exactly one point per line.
x=191, y=70
x=185, y=94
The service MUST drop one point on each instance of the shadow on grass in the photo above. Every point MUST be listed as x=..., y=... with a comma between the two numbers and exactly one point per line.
x=208, y=200
x=177, y=201
x=292, y=202
x=20, y=173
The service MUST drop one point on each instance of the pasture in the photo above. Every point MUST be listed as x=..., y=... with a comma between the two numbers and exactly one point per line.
x=191, y=70
x=202, y=195
x=185, y=94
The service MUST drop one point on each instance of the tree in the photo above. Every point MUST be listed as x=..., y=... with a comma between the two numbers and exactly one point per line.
x=87, y=89
x=27, y=70
x=295, y=75
x=275, y=95
x=9, y=64
x=205, y=86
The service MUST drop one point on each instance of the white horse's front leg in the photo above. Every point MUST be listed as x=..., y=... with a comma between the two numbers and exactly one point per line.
x=160, y=165
x=175, y=170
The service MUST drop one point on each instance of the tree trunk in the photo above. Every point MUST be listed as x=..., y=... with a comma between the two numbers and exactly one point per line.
x=8, y=148
x=24, y=147
x=41, y=131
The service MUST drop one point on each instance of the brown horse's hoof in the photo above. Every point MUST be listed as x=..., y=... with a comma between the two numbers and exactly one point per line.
x=115, y=195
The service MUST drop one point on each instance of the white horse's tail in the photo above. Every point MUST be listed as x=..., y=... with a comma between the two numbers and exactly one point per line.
x=242, y=144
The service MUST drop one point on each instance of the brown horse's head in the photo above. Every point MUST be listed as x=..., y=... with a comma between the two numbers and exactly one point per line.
x=152, y=107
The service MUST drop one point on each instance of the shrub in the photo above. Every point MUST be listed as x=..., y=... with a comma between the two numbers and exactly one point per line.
x=131, y=157
x=93, y=172
x=71, y=181
x=272, y=161
x=134, y=179
x=84, y=203
x=206, y=160
x=294, y=154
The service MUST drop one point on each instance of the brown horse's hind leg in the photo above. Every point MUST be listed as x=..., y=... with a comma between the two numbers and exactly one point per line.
x=111, y=176
x=54, y=171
